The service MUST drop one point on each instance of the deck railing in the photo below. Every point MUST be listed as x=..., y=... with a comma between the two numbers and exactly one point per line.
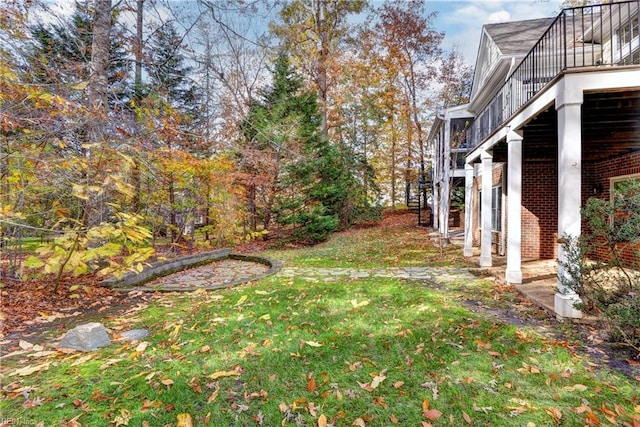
x=605, y=35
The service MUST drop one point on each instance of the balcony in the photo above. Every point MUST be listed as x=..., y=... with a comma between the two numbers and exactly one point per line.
x=605, y=35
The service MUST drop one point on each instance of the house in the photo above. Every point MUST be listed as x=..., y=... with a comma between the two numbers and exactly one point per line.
x=550, y=129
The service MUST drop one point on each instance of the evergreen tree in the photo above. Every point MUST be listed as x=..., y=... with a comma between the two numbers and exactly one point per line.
x=311, y=179
x=168, y=73
x=61, y=55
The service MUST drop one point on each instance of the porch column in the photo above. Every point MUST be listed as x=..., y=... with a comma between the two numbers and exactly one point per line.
x=569, y=191
x=468, y=210
x=514, y=207
x=487, y=183
x=446, y=179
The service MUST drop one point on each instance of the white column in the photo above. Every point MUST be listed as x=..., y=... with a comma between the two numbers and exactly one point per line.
x=446, y=178
x=468, y=210
x=487, y=183
x=569, y=192
x=514, y=207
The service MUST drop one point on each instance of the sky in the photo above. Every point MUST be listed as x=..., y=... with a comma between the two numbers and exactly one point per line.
x=462, y=21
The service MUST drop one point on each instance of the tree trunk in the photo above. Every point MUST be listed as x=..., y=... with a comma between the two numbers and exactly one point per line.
x=97, y=91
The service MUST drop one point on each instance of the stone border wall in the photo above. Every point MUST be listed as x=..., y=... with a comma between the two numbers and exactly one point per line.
x=131, y=281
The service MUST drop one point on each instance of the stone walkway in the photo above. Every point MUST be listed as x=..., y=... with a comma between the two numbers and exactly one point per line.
x=215, y=275
x=221, y=274
x=432, y=274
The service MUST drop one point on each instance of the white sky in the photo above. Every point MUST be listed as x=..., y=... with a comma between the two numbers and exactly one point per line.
x=462, y=20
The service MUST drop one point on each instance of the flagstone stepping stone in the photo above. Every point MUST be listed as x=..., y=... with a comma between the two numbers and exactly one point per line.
x=134, y=334
x=87, y=337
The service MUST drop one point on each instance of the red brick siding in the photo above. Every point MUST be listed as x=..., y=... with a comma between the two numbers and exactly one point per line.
x=539, y=210
x=596, y=183
x=498, y=171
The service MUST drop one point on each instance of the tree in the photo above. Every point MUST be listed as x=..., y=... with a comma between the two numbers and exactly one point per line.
x=310, y=180
x=61, y=55
x=311, y=31
x=412, y=45
x=168, y=72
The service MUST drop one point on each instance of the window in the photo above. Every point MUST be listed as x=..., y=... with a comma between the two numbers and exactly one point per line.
x=496, y=208
x=627, y=41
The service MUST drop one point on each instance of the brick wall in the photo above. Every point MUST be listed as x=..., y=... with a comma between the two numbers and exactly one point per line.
x=539, y=210
x=497, y=179
x=597, y=182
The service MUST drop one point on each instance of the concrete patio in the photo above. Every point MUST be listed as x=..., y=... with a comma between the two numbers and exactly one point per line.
x=539, y=277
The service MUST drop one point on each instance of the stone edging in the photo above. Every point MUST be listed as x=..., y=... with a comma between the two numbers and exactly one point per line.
x=130, y=280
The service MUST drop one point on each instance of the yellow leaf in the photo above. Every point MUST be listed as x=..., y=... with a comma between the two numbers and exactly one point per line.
x=222, y=374
x=578, y=387
x=313, y=344
x=242, y=299
x=184, y=420
x=322, y=420
x=377, y=380
x=213, y=396
x=28, y=370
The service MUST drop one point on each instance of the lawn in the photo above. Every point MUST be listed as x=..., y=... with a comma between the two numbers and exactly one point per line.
x=363, y=352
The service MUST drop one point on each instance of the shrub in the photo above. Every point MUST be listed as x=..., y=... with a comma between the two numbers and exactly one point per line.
x=611, y=289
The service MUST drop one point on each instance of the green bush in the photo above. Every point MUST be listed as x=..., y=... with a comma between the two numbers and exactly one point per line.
x=611, y=289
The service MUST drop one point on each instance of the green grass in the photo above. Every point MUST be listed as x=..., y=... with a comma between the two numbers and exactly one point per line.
x=289, y=351
x=373, y=247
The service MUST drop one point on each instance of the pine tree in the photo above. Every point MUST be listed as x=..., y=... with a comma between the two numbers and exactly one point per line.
x=61, y=55
x=310, y=177
x=168, y=72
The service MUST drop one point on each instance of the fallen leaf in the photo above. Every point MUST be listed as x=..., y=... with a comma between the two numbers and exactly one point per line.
x=311, y=385
x=222, y=374
x=204, y=348
x=184, y=420
x=25, y=345
x=554, y=413
x=578, y=387
x=313, y=344
x=359, y=422
x=167, y=381
x=377, y=380
x=142, y=346
x=394, y=419
x=466, y=417
x=213, y=395
x=28, y=370
x=432, y=414
x=322, y=420
x=398, y=384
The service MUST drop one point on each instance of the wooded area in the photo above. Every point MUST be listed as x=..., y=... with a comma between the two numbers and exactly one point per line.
x=142, y=126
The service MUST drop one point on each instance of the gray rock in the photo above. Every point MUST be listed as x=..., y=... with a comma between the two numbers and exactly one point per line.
x=87, y=337
x=134, y=334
